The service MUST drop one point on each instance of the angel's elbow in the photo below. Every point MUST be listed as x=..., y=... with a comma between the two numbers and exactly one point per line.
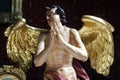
x=36, y=63
x=85, y=57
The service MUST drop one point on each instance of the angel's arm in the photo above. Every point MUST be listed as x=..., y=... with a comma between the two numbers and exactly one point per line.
x=77, y=48
x=42, y=51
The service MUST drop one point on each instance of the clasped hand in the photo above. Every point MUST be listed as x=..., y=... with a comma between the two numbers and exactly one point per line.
x=55, y=35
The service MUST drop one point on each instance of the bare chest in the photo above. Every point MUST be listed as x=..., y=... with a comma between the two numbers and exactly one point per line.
x=65, y=35
x=58, y=58
x=59, y=47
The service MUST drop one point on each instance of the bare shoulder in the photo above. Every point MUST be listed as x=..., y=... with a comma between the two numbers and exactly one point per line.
x=73, y=31
x=75, y=36
x=43, y=35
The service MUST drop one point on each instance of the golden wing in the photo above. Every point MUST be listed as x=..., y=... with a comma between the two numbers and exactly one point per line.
x=96, y=34
x=22, y=42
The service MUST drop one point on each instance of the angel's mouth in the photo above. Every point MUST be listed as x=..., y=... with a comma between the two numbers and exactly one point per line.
x=48, y=17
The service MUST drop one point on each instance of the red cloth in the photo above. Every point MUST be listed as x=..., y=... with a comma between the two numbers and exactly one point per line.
x=53, y=76
x=80, y=71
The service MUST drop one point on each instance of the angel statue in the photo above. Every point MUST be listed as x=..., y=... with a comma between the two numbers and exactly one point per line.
x=61, y=47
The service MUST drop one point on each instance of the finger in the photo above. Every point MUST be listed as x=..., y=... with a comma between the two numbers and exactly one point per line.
x=52, y=31
x=52, y=28
x=57, y=31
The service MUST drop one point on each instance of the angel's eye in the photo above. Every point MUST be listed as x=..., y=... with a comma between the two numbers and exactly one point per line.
x=49, y=15
x=54, y=13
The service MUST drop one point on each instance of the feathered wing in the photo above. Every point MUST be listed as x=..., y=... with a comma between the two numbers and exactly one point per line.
x=22, y=42
x=96, y=34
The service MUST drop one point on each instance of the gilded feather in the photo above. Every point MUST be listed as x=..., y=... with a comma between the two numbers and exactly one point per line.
x=96, y=34
x=22, y=42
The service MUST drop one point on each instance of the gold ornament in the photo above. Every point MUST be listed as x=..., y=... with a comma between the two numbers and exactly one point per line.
x=96, y=34
x=22, y=43
x=11, y=73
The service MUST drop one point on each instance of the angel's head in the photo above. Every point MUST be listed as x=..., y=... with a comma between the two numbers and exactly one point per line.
x=55, y=13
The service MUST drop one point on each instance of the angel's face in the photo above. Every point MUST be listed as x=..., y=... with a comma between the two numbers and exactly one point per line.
x=51, y=16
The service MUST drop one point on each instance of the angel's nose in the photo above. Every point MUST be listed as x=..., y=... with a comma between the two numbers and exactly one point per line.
x=48, y=16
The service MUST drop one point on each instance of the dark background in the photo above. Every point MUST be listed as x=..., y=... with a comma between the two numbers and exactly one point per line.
x=5, y=6
x=34, y=13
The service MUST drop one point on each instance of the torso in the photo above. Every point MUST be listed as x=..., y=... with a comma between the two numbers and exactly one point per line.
x=60, y=60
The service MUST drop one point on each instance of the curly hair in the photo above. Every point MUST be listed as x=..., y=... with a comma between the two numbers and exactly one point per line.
x=60, y=12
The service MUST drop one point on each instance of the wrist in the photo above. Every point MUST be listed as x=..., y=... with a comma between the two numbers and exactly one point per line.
x=49, y=48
